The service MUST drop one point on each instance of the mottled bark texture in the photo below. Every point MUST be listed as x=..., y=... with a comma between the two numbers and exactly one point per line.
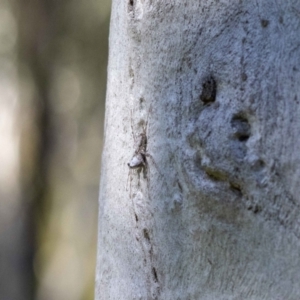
x=215, y=215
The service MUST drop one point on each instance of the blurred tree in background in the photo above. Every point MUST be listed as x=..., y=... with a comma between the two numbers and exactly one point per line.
x=53, y=57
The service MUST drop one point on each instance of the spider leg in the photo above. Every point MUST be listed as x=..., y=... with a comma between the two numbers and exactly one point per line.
x=147, y=174
x=129, y=179
x=145, y=170
x=132, y=131
x=139, y=176
x=153, y=161
x=146, y=124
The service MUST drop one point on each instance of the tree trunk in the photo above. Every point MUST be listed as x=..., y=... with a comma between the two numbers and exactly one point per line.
x=211, y=209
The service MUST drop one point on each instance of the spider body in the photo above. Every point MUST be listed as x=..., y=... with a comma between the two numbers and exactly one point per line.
x=138, y=160
x=140, y=156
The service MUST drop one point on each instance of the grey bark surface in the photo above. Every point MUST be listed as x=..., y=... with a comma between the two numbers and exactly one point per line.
x=215, y=215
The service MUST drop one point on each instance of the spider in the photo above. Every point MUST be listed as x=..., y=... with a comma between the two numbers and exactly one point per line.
x=139, y=158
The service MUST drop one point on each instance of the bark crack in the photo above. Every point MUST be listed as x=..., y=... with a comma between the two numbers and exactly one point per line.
x=147, y=246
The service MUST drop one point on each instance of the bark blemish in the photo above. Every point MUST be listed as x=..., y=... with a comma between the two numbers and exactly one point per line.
x=131, y=76
x=179, y=186
x=146, y=235
x=236, y=189
x=154, y=274
x=131, y=72
x=209, y=90
x=255, y=208
x=242, y=129
x=215, y=174
x=258, y=165
x=131, y=6
x=244, y=77
x=264, y=23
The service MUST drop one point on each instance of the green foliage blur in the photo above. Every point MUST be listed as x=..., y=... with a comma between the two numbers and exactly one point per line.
x=53, y=60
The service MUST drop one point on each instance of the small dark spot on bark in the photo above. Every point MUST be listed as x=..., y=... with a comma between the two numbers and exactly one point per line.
x=146, y=235
x=258, y=165
x=215, y=175
x=136, y=217
x=280, y=19
x=237, y=169
x=243, y=138
x=236, y=189
x=154, y=274
x=142, y=100
x=179, y=185
x=131, y=72
x=130, y=6
x=244, y=76
x=256, y=208
x=209, y=90
x=264, y=23
x=241, y=127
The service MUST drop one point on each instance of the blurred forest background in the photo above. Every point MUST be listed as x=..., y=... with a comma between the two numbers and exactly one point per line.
x=53, y=59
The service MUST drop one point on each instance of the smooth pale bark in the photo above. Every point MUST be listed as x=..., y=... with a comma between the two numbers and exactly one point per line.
x=217, y=216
